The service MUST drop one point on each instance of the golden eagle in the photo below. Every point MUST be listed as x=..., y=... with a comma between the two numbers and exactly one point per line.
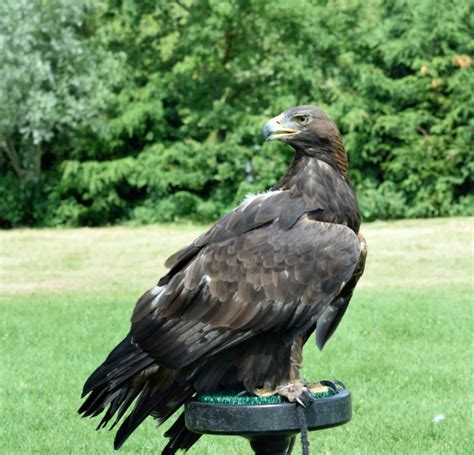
x=239, y=302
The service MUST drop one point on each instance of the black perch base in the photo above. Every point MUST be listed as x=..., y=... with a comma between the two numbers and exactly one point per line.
x=270, y=428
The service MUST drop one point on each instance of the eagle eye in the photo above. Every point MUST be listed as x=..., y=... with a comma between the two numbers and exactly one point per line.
x=302, y=119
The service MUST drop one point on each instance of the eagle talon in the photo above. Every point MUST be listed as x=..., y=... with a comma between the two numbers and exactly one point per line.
x=298, y=390
x=291, y=391
x=305, y=399
x=300, y=402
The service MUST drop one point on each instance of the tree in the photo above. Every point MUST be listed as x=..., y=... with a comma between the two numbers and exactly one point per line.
x=51, y=87
x=404, y=97
x=149, y=110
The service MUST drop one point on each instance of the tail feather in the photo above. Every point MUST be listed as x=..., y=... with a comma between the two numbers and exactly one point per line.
x=114, y=374
x=93, y=404
x=160, y=405
x=110, y=384
x=129, y=377
x=116, y=401
x=99, y=376
x=124, y=356
x=180, y=437
x=128, y=400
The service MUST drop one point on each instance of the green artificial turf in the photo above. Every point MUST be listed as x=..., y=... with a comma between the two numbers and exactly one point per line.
x=238, y=398
x=404, y=348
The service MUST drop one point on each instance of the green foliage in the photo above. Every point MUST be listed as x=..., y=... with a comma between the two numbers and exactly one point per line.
x=52, y=90
x=148, y=111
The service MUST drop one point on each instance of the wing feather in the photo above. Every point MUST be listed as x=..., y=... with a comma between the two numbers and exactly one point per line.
x=264, y=280
x=251, y=214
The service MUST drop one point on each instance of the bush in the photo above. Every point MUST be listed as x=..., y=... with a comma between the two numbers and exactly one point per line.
x=155, y=114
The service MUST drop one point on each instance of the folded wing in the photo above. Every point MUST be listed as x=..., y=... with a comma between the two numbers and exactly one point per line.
x=267, y=279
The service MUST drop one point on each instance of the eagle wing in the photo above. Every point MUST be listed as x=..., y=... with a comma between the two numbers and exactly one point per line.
x=253, y=213
x=267, y=279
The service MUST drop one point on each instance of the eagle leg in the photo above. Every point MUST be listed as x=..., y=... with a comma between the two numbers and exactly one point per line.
x=292, y=391
x=297, y=390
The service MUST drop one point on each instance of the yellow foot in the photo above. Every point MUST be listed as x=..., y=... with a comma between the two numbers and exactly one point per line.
x=317, y=387
x=292, y=390
x=265, y=391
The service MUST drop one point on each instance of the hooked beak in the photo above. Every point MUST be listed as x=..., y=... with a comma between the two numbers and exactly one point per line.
x=275, y=129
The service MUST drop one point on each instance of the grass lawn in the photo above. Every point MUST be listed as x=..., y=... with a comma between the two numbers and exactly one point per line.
x=404, y=348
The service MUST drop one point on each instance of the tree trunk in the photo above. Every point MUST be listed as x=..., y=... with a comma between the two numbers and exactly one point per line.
x=14, y=159
x=37, y=164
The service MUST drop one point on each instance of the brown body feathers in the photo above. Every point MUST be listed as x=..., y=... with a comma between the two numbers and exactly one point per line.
x=239, y=302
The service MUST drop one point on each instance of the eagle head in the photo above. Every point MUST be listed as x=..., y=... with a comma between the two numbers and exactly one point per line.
x=302, y=127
